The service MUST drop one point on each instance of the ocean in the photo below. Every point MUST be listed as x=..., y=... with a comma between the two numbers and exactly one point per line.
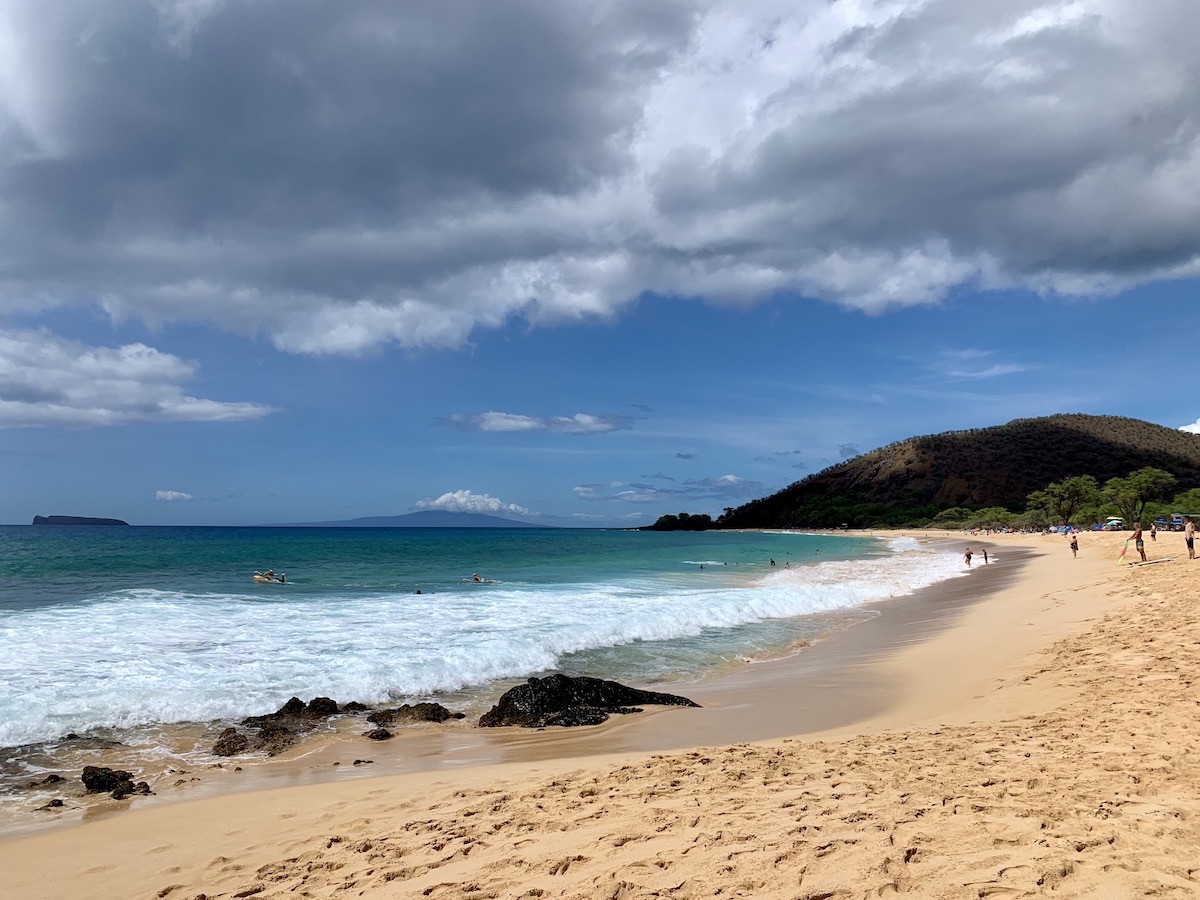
x=157, y=636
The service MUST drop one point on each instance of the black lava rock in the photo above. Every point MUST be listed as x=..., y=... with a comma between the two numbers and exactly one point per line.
x=568, y=701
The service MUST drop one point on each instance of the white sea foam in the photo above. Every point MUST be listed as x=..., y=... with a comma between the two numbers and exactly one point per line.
x=146, y=656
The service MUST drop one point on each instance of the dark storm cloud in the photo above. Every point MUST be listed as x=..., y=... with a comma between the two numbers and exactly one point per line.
x=341, y=176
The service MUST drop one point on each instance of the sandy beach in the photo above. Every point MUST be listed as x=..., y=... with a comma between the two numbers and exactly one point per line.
x=1030, y=730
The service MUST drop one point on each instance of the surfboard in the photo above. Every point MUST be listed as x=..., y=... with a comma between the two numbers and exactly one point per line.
x=1151, y=562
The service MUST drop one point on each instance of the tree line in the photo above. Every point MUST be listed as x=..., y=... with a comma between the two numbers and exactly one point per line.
x=1143, y=495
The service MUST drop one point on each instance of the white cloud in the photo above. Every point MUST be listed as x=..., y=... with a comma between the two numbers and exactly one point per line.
x=872, y=154
x=45, y=380
x=726, y=487
x=722, y=487
x=466, y=501
x=171, y=496
x=1194, y=428
x=580, y=423
x=973, y=363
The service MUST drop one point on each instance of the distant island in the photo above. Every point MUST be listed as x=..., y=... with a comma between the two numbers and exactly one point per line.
x=75, y=520
x=425, y=519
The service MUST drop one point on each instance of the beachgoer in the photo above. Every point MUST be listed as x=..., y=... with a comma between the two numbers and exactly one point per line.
x=475, y=577
x=967, y=557
x=283, y=577
x=1074, y=547
x=1138, y=544
x=772, y=562
x=1154, y=531
x=1189, y=536
x=985, y=559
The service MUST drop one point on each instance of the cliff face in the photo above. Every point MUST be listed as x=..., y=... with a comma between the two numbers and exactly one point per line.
x=998, y=466
x=75, y=520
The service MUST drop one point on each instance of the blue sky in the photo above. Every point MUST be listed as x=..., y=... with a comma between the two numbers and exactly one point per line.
x=365, y=258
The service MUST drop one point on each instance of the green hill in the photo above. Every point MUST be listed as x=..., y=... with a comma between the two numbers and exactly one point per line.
x=917, y=478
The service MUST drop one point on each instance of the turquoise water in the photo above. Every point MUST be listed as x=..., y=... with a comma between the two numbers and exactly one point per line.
x=108, y=628
x=73, y=564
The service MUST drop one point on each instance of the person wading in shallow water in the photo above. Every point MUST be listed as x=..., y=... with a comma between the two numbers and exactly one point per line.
x=967, y=557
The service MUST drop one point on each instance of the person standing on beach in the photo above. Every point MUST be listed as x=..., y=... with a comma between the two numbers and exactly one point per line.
x=985, y=559
x=1189, y=536
x=967, y=557
x=1154, y=531
x=1074, y=546
x=1138, y=543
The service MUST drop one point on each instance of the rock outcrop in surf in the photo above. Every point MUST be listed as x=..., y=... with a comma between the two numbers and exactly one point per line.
x=567, y=701
x=275, y=732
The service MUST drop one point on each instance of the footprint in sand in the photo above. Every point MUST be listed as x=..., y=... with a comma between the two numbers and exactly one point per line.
x=561, y=867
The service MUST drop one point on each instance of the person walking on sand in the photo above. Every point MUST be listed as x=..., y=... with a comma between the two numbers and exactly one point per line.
x=1154, y=531
x=1138, y=544
x=967, y=557
x=1074, y=546
x=1189, y=536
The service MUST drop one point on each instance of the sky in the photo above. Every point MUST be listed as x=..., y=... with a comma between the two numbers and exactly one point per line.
x=573, y=263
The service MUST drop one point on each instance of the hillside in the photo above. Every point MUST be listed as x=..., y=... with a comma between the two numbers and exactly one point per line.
x=997, y=466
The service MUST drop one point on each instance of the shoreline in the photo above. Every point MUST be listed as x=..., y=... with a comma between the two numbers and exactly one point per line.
x=1002, y=677
x=333, y=752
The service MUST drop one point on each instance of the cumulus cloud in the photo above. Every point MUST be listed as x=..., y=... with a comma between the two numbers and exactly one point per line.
x=344, y=176
x=580, y=423
x=466, y=501
x=1194, y=428
x=45, y=380
x=171, y=496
